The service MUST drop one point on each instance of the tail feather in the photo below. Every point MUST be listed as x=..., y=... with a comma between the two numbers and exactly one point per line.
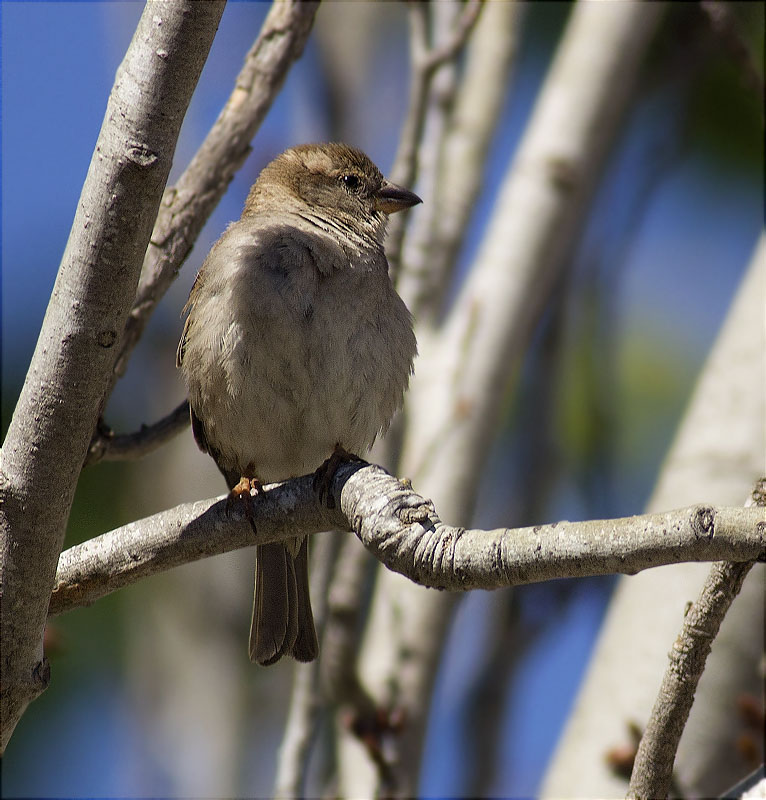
x=306, y=647
x=274, y=625
x=282, y=621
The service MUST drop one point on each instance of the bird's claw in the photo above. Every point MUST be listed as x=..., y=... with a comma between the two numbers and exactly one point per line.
x=244, y=492
x=326, y=472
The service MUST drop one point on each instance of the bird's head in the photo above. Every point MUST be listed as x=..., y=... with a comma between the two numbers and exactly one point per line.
x=333, y=183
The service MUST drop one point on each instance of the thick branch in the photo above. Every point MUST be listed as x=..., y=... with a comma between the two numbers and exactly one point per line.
x=343, y=630
x=422, y=295
x=403, y=530
x=716, y=454
x=57, y=411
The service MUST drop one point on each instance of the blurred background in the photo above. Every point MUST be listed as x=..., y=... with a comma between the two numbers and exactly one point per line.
x=152, y=692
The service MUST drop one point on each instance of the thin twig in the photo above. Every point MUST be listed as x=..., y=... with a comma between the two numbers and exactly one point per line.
x=414, y=284
x=452, y=47
x=425, y=60
x=653, y=768
x=106, y=446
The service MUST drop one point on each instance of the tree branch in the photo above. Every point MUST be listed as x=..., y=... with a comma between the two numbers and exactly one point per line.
x=343, y=630
x=469, y=111
x=187, y=205
x=403, y=531
x=106, y=446
x=421, y=284
x=68, y=377
x=451, y=48
x=425, y=60
x=653, y=767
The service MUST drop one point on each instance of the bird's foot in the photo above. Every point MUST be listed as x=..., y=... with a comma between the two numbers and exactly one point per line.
x=324, y=475
x=246, y=486
x=244, y=492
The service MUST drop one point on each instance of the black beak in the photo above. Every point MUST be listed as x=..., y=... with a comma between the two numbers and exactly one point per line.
x=391, y=198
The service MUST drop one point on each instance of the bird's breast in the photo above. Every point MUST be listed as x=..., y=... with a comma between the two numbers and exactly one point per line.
x=325, y=360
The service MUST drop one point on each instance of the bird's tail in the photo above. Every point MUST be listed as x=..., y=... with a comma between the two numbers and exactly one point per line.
x=282, y=623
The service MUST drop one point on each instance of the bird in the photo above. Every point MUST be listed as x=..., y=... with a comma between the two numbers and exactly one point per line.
x=296, y=349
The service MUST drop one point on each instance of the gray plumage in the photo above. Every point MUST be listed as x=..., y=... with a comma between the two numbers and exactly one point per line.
x=296, y=341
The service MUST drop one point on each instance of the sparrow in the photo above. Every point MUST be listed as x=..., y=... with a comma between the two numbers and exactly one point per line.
x=296, y=348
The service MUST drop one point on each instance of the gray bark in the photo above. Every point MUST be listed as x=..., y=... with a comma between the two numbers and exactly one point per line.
x=402, y=529
x=65, y=387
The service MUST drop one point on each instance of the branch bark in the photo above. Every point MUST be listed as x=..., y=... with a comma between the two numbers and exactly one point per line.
x=653, y=769
x=404, y=532
x=52, y=425
x=106, y=446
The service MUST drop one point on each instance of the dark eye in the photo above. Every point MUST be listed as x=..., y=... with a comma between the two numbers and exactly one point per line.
x=351, y=182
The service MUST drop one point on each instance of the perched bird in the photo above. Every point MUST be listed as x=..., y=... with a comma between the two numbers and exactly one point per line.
x=296, y=346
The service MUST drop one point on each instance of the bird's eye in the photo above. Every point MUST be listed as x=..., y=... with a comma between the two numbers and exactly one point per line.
x=351, y=182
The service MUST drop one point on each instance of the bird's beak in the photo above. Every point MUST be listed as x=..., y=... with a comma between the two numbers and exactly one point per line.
x=391, y=198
